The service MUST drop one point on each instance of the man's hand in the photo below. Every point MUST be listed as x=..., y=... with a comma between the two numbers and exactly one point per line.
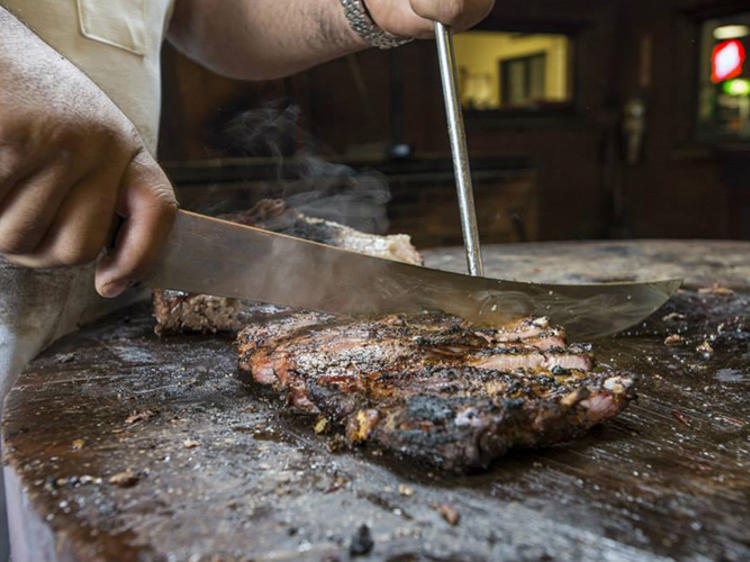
x=415, y=18
x=69, y=161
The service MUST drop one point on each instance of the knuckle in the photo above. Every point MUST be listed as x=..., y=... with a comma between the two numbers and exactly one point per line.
x=118, y=142
x=67, y=154
x=65, y=139
x=164, y=201
x=108, y=136
x=159, y=197
x=72, y=142
x=453, y=10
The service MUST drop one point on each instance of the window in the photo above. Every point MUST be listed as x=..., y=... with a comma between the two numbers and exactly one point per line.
x=503, y=70
x=724, y=81
x=522, y=80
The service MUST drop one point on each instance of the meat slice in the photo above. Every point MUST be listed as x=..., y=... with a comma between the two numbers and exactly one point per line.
x=177, y=311
x=433, y=387
x=274, y=215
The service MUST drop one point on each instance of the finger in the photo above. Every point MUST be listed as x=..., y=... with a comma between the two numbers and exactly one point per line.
x=147, y=203
x=399, y=17
x=13, y=165
x=17, y=160
x=459, y=14
x=79, y=230
x=28, y=209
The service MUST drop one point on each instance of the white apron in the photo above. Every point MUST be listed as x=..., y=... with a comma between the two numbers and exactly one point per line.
x=117, y=44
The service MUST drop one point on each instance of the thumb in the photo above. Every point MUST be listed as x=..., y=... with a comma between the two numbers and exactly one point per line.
x=147, y=204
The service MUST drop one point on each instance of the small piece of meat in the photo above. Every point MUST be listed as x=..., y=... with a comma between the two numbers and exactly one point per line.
x=179, y=312
x=431, y=386
x=274, y=215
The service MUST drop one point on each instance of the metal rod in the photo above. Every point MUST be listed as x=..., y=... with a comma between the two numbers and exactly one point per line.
x=459, y=149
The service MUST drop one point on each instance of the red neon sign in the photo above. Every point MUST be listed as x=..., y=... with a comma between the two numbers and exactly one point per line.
x=727, y=59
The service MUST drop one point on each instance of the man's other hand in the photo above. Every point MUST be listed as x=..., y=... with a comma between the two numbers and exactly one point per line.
x=415, y=18
x=70, y=161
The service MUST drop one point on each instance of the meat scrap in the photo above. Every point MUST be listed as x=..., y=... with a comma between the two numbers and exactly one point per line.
x=177, y=311
x=125, y=479
x=433, y=387
x=673, y=339
x=716, y=289
x=144, y=415
x=449, y=514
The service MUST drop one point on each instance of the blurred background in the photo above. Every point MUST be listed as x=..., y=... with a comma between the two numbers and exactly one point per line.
x=585, y=119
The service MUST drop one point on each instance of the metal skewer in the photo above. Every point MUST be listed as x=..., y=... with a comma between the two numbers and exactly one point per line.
x=459, y=149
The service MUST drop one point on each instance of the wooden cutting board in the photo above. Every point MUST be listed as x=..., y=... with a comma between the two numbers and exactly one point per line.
x=699, y=262
x=123, y=446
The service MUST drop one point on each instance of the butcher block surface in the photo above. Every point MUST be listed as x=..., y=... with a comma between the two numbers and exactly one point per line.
x=120, y=445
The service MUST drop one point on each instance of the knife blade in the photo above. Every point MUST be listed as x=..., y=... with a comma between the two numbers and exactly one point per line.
x=216, y=257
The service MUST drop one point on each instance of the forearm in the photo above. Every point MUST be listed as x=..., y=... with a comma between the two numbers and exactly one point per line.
x=262, y=39
x=22, y=55
x=32, y=70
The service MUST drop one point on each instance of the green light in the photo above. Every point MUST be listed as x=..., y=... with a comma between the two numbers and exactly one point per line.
x=737, y=87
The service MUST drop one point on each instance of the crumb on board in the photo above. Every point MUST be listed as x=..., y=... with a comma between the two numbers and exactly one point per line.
x=144, y=415
x=405, y=490
x=190, y=443
x=716, y=289
x=705, y=349
x=125, y=479
x=674, y=317
x=682, y=418
x=321, y=425
x=449, y=514
x=66, y=357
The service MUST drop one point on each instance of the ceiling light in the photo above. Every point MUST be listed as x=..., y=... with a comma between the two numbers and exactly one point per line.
x=731, y=32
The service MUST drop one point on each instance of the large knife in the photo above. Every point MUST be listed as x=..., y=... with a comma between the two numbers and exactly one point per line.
x=216, y=257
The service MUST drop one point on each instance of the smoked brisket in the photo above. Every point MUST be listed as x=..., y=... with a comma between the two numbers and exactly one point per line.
x=433, y=387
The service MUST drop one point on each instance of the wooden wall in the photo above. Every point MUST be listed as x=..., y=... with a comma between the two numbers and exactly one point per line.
x=677, y=189
x=584, y=188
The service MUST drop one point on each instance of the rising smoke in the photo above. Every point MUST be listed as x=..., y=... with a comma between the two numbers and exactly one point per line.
x=303, y=178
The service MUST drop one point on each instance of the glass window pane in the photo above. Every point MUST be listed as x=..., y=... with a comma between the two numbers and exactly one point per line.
x=505, y=70
x=517, y=86
x=537, y=74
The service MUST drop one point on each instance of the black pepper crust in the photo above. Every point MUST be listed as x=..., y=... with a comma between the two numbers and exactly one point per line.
x=433, y=387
